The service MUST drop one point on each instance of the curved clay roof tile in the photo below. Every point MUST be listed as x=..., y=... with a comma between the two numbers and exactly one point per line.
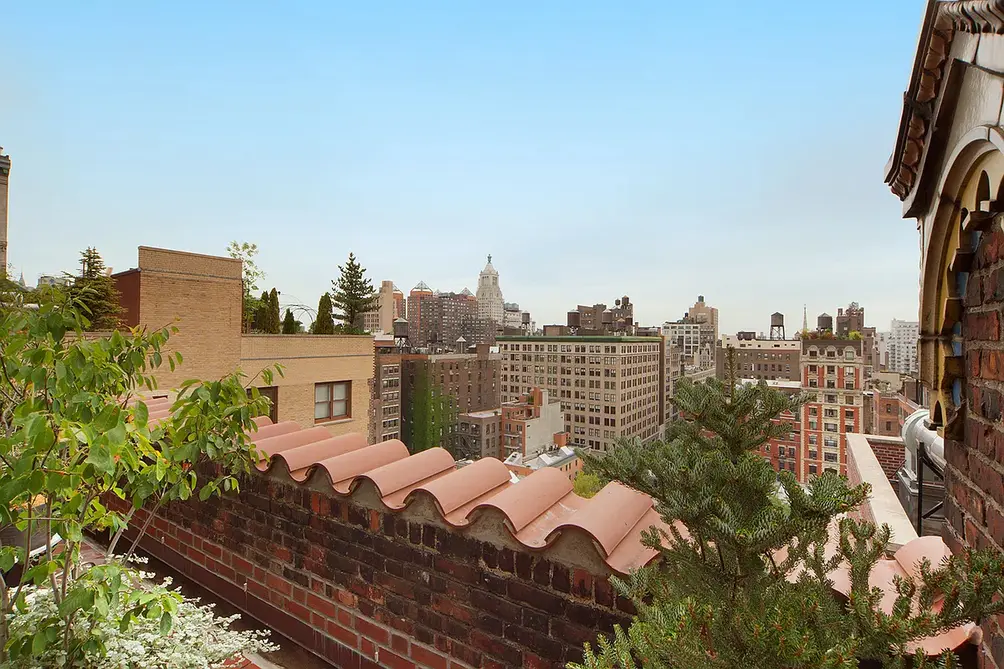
x=631, y=552
x=610, y=515
x=460, y=486
x=298, y=460
x=345, y=469
x=284, y=442
x=274, y=430
x=404, y=474
x=262, y=421
x=531, y=497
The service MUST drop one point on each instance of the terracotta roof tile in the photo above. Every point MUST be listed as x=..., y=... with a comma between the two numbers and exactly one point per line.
x=536, y=511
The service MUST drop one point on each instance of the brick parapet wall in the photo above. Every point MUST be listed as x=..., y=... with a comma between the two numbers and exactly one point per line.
x=974, y=477
x=363, y=587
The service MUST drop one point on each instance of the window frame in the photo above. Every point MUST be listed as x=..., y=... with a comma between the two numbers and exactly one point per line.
x=331, y=387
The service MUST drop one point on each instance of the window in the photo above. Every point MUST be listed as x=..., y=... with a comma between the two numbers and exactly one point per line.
x=332, y=400
x=812, y=469
x=272, y=393
x=830, y=457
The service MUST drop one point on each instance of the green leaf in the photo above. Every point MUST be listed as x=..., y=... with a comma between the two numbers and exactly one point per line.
x=39, y=643
x=101, y=458
x=79, y=598
x=8, y=555
x=165, y=623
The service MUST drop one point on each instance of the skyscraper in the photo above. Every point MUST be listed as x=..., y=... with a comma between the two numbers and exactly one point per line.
x=490, y=302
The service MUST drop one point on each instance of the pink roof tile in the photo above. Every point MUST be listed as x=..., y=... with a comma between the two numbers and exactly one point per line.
x=536, y=511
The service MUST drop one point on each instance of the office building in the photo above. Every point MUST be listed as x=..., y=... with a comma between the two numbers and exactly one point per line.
x=489, y=297
x=609, y=387
x=381, y=318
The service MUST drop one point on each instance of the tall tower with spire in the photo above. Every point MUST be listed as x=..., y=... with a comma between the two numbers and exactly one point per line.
x=490, y=302
x=805, y=318
x=4, y=174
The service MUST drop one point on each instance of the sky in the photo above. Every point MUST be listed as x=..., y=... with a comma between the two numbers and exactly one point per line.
x=659, y=150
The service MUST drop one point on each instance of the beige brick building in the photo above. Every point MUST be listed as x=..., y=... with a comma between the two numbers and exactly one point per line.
x=326, y=378
x=609, y=387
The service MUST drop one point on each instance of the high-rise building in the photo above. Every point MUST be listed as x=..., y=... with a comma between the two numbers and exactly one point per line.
x=418, y=298
x=385, y=398
x=4, y=179
x=489, y=296
x=902, y=346
x=833, y=376
x=381, y=319
x=470, y=379
x=609, y=387
x=707, y=317
x=686, y=336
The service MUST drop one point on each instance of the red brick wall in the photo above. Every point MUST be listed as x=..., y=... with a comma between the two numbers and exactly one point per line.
x=365, y=588
x=974, y=500
x=890, y=456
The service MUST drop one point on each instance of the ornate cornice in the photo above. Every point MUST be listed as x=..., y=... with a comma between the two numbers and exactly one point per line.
x=975, y=16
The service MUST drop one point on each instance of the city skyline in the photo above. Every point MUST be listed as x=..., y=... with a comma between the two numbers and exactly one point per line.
x=457, y=132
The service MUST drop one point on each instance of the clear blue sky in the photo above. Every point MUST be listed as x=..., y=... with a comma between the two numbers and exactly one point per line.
x=656, y=149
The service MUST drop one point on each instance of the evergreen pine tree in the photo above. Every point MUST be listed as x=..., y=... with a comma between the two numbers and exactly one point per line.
x=261, y=308
x=289, y=323
x=324, y=323
x=274, y=321
x=352, y=294
x=742, y=577
x=95, y=291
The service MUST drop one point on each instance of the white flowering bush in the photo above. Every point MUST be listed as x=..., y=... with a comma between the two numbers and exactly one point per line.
x=176, y=632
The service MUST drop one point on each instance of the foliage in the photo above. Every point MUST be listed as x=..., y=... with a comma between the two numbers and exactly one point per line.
x=854, y=335
x=324, y=323
x=432, y=417
x=259, y=320
x=587, y=484
x=289, y=324
x=250, y=276
x=71, y=440
x=95, y=292
x=742, y=579
x=197, y=637
x=353, y=295
x=273, y=322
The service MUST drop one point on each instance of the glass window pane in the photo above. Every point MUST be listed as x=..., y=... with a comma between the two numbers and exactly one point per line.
x=321, y=392
x=321, y=410
x=338, y=408
x=339, y=391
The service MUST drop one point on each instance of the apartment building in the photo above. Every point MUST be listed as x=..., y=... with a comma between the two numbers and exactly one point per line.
x=599, y=320
x=326, y=378
x=385, y=402
x=833, y=377
x=901, y=346
x=471, y=379
x=479, y=434
x=768, y=359
x=686, y=336
x=389, y=302
x=532, y=425
x=784, y=453
x=886, y=412
x=609, y=387
x=446, y=321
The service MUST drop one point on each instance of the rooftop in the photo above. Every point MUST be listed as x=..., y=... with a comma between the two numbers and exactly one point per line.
x=612, y=339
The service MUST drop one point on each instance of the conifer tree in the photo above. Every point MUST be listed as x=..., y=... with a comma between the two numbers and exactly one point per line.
x=742, y=578
x=95, y=291
x=352, y=294
x=289, y=323
x=324, y=324
x=260, y=320
x=274, y=321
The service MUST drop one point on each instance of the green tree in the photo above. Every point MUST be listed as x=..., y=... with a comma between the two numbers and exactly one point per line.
x=274, y=321
x=352, y=295
x=250, y=276
x=324, y=324
x=432, y=416
x=587, y=484
x=289, y=324
x=94, y=292
x=259, y=321
x=746, y=584
x=74, y=436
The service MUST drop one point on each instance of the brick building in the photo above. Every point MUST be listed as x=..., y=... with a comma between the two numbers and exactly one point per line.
x=446, y=321
x=479, y=434
x=472, y=380
x=326, y=378
x=532, y=424
x=609, y=387
x=385, y=402
x=785, y=453
x=947, y=167
x=769, y=359
x=599, y=320
x=833, y=376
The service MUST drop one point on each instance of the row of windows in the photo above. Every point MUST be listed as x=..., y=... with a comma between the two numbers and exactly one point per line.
x=579, y=348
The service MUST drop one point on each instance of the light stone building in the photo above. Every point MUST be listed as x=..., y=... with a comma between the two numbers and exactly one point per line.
x=489, y=295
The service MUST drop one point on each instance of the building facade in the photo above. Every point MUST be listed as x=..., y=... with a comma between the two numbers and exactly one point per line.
x=470, y=379
x=489, y=297
x=598, y=320
x=768, y=359
x=609, y=387
x=326, y=378
x=947, y=168
x=385, y=402
x=901, y=346
x=446, y=322
x=531, y=424
x=833, y=376
x=784, y=453
x=4, y=187
x=686, y=337
x=479, y=434
x=381, y=319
